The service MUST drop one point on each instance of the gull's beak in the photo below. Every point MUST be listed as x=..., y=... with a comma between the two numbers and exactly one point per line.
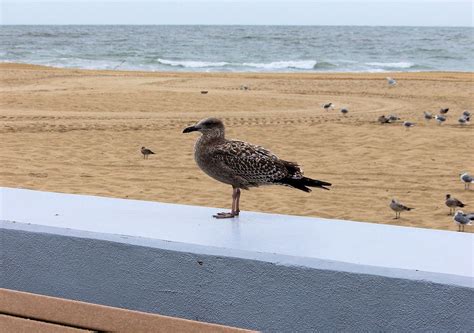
x=190, y=129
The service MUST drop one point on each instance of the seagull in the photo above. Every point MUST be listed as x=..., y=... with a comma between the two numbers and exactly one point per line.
x=440, y=119
x=146, y=152
x=466, y=114
x=344, y=111
x=391, y=82
x=463, y=121
x=393, y=117
x=467, y=179
x=428, y=116
x=453, y=203
x=383, y=120
x=462, y=219
x=328, y=106
x=398, y=207
x=444, y=110
x=243, y=165
x=408, y=124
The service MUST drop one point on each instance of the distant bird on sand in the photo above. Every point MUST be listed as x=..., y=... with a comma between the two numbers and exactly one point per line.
x=467, y=179
x=453, y=203
x=463, y=120
x=440, y=119
x=393, y=117
x=243, y=165
x=391, y=82
x=328, y=106
x=443, y=110
x=466, y=113
x=146, y=152
x=383, y=120
x=344, y=111
x=462, y=219
x=427, y=115
x=408, y=124
x=398, y=207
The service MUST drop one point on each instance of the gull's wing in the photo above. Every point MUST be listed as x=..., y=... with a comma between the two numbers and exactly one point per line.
x=459, y=203
x=467, y=178
x=255, y=164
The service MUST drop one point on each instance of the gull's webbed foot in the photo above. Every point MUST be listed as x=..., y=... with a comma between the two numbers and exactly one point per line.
x=225, y=215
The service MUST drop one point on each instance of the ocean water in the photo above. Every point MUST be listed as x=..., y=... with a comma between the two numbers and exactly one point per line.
x=241, y=48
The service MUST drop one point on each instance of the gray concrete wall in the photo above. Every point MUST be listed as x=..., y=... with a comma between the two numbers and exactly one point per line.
x=270, y=294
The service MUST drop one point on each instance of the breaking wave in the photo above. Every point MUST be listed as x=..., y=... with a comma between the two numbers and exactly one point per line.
x=298, y=64
x=275, y=65
x=391, y=64
x=191, y=63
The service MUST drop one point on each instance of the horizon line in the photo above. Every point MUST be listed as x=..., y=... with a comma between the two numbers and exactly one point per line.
x=243, y=25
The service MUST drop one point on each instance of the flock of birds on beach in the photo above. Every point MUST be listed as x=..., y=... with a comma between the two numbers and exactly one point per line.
x=459, y=217
x=440, y=118
x=243, y=165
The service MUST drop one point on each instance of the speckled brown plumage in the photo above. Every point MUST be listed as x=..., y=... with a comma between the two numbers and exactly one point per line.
x=254, y=164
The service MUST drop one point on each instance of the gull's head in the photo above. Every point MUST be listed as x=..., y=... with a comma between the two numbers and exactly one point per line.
x=208, y=127
x=448, y=196
x=459, y=212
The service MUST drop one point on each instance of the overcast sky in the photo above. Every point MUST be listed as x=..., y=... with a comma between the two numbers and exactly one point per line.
x=283, y=12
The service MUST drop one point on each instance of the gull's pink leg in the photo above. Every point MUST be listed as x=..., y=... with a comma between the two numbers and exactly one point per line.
x=237, y=201
x=232, y=213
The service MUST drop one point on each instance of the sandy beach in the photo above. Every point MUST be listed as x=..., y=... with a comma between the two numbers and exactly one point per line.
x=80, y=131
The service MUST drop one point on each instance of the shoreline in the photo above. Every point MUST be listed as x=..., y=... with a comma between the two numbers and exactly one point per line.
x=80, y=131
x=24, y=65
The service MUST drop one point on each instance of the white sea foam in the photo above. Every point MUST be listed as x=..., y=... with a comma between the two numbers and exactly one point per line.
x=191, y=63
x=298, y=64
x=391, y=64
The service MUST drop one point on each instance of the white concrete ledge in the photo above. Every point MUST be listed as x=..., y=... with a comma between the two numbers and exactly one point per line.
x=441, y=261
x=415, y=251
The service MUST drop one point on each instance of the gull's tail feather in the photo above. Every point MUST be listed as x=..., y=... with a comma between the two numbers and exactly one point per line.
x=303, y=183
